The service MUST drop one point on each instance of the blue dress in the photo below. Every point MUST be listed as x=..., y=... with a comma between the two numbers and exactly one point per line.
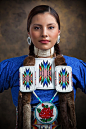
x=9, y=78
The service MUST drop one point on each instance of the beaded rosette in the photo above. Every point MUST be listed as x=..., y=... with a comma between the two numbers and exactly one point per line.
x=46, y=112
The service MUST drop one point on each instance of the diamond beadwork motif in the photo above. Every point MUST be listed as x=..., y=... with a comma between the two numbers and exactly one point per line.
x=27, y=78
x=63, y=78
x=45, y=73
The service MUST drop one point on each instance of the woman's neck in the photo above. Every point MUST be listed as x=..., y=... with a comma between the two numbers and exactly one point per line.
x=44, y=53
x=54, y=55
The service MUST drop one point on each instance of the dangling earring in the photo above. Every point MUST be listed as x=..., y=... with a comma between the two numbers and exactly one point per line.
x=58, y=40
x=29, y=40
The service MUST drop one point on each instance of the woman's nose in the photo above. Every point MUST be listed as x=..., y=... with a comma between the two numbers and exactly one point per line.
x=44, y=32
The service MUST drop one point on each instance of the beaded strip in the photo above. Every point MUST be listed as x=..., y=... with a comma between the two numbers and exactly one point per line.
x=41, y=100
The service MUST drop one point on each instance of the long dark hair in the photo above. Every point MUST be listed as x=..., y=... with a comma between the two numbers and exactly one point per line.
x=42, y=9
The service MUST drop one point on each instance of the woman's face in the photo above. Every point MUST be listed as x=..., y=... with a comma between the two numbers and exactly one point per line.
x=44, y=31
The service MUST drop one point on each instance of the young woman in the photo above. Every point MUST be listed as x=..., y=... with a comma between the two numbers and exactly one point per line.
x=43, y=26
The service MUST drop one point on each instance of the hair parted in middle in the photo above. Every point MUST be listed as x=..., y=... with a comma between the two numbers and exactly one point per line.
x=42, y=9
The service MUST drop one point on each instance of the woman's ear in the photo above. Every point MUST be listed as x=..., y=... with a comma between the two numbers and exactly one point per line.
x=28, y=34
x=59, y=32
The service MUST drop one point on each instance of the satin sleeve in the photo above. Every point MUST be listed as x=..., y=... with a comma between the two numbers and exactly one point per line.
x=81, y=75
x=78, y=72
x=5, y=75
x=9, y=76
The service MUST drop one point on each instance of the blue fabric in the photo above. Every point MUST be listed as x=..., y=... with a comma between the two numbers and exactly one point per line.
x=9, y=78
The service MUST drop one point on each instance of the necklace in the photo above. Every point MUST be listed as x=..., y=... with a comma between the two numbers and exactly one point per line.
x=46, y=112
x=43, y=53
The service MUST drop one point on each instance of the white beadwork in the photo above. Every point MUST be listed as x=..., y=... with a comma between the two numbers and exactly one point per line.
x=44, y=53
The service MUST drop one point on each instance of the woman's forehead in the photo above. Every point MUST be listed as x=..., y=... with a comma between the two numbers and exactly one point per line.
x=43, y=18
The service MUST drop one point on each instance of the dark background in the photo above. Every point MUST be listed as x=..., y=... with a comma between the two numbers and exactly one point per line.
x=13, y=35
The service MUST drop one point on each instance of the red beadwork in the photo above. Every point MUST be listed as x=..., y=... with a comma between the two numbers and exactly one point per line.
x=46, y=113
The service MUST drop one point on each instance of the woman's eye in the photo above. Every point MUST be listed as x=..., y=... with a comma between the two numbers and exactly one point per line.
x=51, y=27
x=36, y=28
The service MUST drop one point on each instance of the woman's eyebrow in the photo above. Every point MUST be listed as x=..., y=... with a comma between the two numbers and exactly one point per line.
x=51, y=24
x=37, y=24
x=47, y=24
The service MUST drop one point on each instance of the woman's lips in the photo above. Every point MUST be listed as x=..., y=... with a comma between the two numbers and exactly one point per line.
x=44, y=41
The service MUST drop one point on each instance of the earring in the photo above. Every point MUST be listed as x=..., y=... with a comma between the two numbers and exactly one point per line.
x=58, y=40
x=29, y=40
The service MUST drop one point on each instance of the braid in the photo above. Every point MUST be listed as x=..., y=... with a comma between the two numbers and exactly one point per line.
x=66, y=102
x=31, y=50
x=57, y=49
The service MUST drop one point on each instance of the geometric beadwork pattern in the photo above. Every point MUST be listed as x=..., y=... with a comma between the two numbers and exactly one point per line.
x=27, y=78
x=45, y=74
x=36, y=125
x=64, y=78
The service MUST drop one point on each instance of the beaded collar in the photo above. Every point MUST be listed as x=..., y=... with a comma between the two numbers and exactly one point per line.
x=43, y=53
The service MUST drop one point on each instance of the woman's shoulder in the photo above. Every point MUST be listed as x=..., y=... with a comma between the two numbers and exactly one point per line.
x=20, y=58
x=74, y=62
x=15, y=59
x=71, y=60
x=13, y=62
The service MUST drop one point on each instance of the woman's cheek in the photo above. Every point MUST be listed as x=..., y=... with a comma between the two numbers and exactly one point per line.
x=34, y=35
x=55, y=34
